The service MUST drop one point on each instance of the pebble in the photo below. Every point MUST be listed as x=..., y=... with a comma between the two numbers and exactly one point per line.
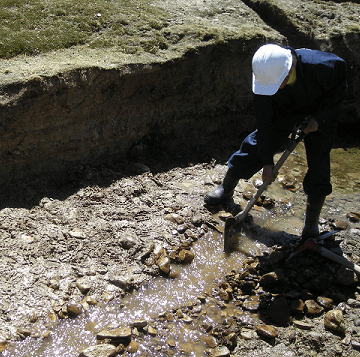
x=151, y=331
x=74, y=309
x=104, y=350
x=171, y=342
x=266, y=331
x=220, y=351
x=186, y=256
x=334, y=320
x=248, y=334
x=132, y=347
x=3, y=345
x=139, y=323
x=187, y=319
x=325, y=302
x=164, y=264
x=313, y=308
x=353, y=216
x=175, y=218
x=355, y=345
x=340, y=225
x=297, y=306
x=269, y=278
x=353, y=303
x=211, y=341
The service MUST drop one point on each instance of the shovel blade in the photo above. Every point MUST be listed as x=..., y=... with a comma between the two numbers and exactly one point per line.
x=228, y=234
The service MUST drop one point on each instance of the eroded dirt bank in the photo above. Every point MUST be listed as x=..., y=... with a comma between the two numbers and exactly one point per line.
x=81, y=105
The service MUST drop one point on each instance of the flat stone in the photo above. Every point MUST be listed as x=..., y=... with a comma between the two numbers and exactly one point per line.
x=104, y=350
x=139, y=323
x=303, y=325
x=248, y=334
x=122, y=333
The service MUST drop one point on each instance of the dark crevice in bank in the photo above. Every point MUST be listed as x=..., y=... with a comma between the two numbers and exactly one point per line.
x=275, y=17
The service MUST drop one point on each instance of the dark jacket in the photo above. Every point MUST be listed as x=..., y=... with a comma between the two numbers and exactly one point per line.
x=320, y=87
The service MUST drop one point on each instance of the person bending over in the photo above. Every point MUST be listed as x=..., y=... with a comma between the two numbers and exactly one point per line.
x=290, y=85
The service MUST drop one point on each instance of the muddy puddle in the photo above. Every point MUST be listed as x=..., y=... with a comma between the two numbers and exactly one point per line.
x=70, y=336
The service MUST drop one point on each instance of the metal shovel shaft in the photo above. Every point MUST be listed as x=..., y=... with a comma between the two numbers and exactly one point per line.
x=232, y=222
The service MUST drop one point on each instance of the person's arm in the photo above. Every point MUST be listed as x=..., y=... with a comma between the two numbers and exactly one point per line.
x=265, y=114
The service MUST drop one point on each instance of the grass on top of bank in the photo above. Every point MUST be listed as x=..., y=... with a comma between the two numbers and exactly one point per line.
x=36, y=26
x=31, y=27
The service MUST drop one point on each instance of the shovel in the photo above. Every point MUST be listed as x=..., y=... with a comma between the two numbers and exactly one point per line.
x=296, y=136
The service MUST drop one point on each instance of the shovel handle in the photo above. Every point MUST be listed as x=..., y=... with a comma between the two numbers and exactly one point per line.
x=336, y=258
x=296, y=136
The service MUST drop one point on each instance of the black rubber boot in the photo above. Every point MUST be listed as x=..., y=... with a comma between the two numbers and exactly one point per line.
x=314, y=205
x=224, y=192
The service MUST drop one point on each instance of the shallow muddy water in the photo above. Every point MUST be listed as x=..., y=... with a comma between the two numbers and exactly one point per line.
x=69, y=337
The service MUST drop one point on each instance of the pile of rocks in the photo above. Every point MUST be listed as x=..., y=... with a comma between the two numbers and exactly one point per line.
x=273, y=301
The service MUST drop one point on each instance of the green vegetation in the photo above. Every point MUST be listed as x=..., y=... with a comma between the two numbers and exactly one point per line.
x=36, y=26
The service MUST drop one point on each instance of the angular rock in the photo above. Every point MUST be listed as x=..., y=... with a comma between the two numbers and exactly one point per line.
x=334, y=320
x=325, y=302
x=266, y=331
x=84, y=285
x=313, y=308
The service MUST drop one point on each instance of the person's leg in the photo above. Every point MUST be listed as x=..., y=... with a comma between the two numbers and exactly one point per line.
x=316, y=183
x=243, y=164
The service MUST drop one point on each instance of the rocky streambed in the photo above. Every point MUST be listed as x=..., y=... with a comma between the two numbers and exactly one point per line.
x=81, y=257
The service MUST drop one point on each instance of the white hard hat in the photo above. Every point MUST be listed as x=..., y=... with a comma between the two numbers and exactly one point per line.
x=270, y=65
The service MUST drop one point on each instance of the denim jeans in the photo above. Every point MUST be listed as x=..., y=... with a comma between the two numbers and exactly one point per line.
x=245, y=162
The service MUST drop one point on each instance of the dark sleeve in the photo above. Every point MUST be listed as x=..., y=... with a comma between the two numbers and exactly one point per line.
x=331, y=78
x=265, y=115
